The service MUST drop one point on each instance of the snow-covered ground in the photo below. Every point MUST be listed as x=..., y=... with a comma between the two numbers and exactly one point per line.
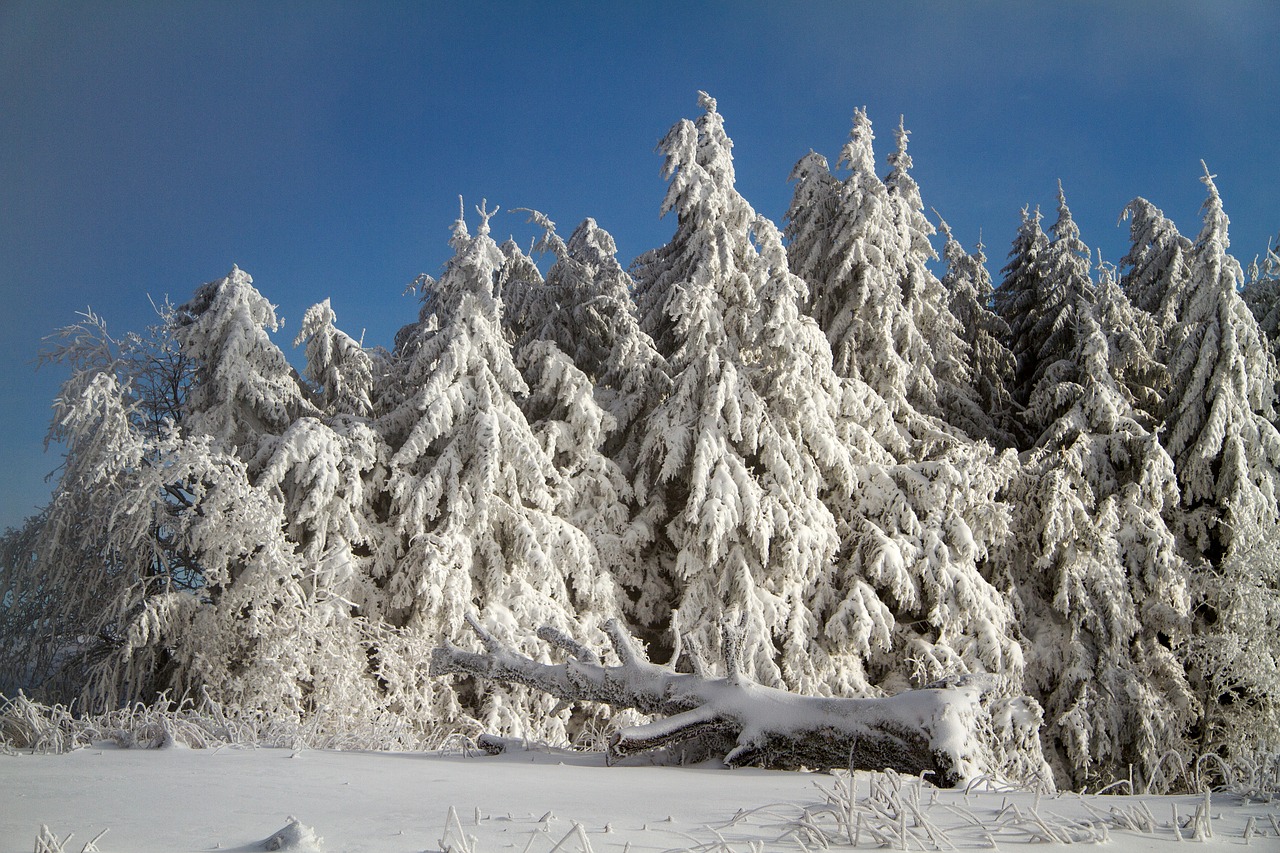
x=538, y=801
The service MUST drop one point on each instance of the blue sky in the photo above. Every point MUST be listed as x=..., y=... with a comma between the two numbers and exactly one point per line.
x=147, y=147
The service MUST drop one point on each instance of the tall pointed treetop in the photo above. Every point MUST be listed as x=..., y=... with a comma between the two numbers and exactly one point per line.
x=1222, y=402
x=732, y=468
x=1262, y=294
x=1017, y=300
x=244, y=387
x=900, y=183
x=969, y=290
x=337, y=366
x=1156, y=272
x=858, y=154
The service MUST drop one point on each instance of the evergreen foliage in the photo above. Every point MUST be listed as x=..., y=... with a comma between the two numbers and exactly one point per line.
x=1262, y=295
x=941, y=380
x=970, y=294
x=1064, y=290
x=1226, y=450
x=1156, y=276
x=813, y=460
x=731, y=470
x=243, y=387
x=1222, y=401
x=585, y=307
x=471, y=490
x=1097, y=575
x=1017, y=303
x=851, y=253
x=339, y=369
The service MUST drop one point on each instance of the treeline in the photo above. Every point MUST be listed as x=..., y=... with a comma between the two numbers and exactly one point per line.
x=880, y=476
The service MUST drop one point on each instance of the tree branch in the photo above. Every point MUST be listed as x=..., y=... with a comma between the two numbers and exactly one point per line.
x=929, y=731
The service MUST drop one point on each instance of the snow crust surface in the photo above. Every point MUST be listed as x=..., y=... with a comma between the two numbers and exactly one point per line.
x=232, y=799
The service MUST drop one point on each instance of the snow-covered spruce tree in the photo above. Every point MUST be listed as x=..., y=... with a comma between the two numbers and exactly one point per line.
x=908, y=601
x=586, y=309
x=1222, y=398
x=1226, y=451
x=584, y=315
x=1134, y=341
x=849, y=250
x=1101, y=589
x=244, y=387
x=941, y=380
x=1016, y=302
x=1156, y=279
x=471, y=499
x=249, y=402
x=325, y=469
x=918, y=526
x=1156, y=272
x=969, y=290
x=534, y=309
x=594, y=494
x=1262, y=294
x=911, y=585
x=815, y=206
x=525, y=302
x=630, y=375
x=904, y=599
x=1064, y=289
x=322, y=473
x=338, y=367
x=733, y=463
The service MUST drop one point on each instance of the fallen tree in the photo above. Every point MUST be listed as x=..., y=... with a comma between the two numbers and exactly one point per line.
x=948, y=733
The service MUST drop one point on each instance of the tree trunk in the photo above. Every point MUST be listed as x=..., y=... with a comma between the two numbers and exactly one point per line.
x=933, y=732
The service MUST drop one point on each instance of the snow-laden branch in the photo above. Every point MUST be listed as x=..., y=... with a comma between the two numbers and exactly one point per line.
x=929, y=731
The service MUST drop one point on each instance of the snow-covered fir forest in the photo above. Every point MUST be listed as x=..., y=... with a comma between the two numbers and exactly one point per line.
x=848, y=434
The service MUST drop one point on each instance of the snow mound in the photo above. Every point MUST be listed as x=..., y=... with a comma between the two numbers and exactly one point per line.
x=294, y=836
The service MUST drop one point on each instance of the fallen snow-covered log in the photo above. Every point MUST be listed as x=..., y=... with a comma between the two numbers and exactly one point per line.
x=937, y=732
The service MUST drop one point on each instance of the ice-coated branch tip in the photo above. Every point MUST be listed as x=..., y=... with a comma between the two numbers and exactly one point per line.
x=489, y=641
x=537, y=217
x=733, y=635
x=561, y=640
x=485, y=216
x=942, y=223
x=622, y=644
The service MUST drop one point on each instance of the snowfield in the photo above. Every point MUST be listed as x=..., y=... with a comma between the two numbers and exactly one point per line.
x=540, y=800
